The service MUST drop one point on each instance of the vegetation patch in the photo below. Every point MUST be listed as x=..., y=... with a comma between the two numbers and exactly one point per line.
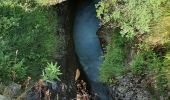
x=28, y=39
x=144, y=28
x=113, y=65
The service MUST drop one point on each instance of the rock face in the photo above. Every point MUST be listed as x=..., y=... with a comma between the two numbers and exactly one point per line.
x=68, y=63
x=127, y=89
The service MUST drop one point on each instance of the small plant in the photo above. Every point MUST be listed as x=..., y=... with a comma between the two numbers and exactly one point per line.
x=51, y=72
x=19, y=72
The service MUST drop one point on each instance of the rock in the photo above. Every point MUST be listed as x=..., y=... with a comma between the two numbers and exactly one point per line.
x=4, y=98
x=52, y=84
x=127, y=89
x=12, y=90
x=2, y=87
x=48, y=89
x=61, y=1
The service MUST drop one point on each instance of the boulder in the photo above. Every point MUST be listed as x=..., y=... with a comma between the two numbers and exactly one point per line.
x=4, y=98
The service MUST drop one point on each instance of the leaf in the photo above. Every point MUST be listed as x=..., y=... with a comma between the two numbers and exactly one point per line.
x=77, y=74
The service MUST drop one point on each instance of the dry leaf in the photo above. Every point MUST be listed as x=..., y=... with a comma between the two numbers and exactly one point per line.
x=77, y=74
x=78, y=97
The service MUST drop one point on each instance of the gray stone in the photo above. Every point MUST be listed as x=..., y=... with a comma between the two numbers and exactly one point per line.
x=12, y=90
x=127, y=89
x=4, y=98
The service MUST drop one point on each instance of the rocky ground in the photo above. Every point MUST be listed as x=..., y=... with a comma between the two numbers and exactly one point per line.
x=126, y=88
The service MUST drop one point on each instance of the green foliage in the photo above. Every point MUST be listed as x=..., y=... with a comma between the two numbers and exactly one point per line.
x=160, y=33
x=166, y=8
x=51, y=72
x=30, y=30
x=145, y=62
x=114, y=58
x=47, y=2
x=135, y=18
x=7, y=23
x=167, y=68
x=5, y=61
x=159, y=37
x=150, y=68
x=132, y=16
x=18, y=71
x=10, y=67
